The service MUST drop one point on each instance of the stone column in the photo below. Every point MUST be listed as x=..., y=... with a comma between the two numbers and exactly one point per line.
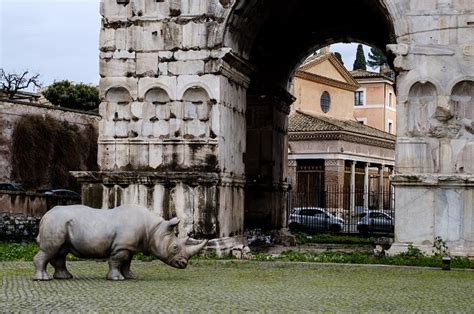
x=352, y=187
x=366, y=187
x=381, y=186
x=334, y=182
x=266, y=167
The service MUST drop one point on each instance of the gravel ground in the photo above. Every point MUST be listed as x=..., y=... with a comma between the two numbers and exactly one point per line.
x=235, y=286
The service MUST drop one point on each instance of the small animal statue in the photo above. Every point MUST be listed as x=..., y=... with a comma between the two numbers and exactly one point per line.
x=116, y=234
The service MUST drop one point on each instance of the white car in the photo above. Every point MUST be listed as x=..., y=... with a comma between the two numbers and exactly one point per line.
x=375, y=221
x=314, y=219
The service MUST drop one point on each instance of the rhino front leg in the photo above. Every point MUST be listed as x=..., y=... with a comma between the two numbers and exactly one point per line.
x=116, y=261
x=40, y=261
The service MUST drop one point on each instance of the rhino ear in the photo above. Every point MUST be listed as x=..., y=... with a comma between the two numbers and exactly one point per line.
x=172, y=224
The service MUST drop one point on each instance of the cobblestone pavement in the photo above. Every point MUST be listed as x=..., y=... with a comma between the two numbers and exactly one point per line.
x=234, y=286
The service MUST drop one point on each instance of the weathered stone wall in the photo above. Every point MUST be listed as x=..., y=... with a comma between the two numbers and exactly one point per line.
x=18, y=227
x=11, y=111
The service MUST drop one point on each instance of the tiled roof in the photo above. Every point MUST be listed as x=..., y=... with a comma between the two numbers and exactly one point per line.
x=358, y=74
x=305, y=122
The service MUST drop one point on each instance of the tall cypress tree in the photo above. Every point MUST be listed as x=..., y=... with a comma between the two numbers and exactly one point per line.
x=339, y=57
x=376, y=58
x=360, y=63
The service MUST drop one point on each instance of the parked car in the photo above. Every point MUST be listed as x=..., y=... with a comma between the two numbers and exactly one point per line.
x=62, y=193
x=375, y=221
x=11, y=187
x=314, y=219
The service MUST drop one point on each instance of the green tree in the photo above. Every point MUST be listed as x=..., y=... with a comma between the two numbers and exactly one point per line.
x=339, y=57
x=360, y=63
x=74, y=96
x=376, y=58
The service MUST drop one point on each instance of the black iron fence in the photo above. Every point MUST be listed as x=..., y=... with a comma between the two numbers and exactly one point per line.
x=337, y=209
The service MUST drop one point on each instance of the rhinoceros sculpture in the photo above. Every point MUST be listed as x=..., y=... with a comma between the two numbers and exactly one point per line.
x=116, y=234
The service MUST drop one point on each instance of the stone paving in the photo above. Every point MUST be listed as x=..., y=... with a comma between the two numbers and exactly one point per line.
x=234, y=286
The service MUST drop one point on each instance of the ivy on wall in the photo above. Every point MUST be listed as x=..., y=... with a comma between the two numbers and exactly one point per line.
x=44, y=150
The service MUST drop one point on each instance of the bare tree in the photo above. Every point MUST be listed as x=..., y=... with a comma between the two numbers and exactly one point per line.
x=13, y=82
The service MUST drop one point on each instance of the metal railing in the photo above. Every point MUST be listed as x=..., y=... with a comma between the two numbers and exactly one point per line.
x=336, y=209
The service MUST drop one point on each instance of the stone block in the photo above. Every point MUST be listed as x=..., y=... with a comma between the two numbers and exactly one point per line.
x=187, y=55
x=186, y=67
x=163, y=112
x=121, y=38
x=163, y=68
x=139, y=155
x=173, y=36
x=175, y=128
x=166, y=55
x=123, y=54
x=149, y=37
x=112, y=10
x=194, y=7
x=177, y=109
x=117, y=67
x=107, y=39
x=156, y=155
x=195, y=128
x=147, y=64
x=194, y=35
x=190, y=111
x=161, y=129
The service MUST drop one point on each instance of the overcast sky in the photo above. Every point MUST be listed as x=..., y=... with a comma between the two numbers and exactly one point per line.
x=59, y=39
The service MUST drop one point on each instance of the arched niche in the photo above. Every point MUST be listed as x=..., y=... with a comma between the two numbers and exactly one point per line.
x=156, y=113
x=196, y=112
x=462, y=103
x=462, y=100
x=118, y=112
x=422, y=100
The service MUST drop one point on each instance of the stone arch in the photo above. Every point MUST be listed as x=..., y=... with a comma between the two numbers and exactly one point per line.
x=254, y=29
x=117, y=112
x=156, y=113
x=196, y=113
x=421, y=106
x=462, y=103
x=462, y=100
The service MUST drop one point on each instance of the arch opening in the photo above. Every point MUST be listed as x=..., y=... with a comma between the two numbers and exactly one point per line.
x=275, y=37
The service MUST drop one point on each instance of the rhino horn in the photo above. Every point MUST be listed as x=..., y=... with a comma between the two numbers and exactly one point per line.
x=195, y=248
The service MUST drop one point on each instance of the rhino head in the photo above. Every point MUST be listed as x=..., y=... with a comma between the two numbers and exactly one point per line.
x=169, y=248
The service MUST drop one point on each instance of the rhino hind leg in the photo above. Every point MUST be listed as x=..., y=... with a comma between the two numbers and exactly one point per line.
x=59, y=264
x=40, y=261
x=116, y=261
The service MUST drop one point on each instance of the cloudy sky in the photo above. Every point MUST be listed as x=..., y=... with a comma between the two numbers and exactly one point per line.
x=59, y=39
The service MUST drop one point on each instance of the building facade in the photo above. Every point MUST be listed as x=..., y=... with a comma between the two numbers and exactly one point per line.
x=375, y=101
x=335, y=161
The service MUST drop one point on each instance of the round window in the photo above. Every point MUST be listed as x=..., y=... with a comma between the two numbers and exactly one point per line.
x=325, y=102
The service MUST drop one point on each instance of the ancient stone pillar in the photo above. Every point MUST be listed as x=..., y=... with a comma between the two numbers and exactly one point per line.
x=266, y=196
x=433, y=177
x=173, y=132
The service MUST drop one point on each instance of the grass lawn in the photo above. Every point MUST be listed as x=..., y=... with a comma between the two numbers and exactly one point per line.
x=237, y=286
